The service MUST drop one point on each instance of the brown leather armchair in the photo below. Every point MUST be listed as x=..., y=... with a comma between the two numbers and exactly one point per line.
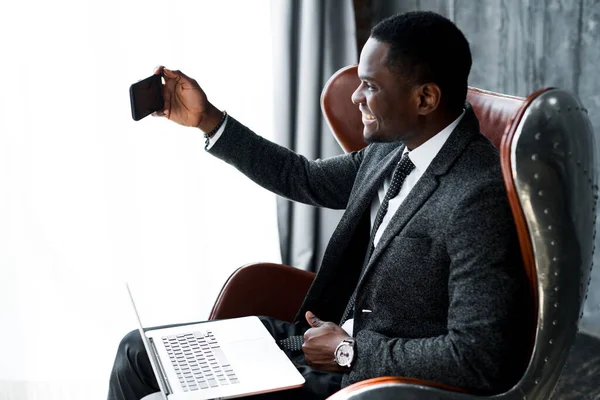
x=548, y=163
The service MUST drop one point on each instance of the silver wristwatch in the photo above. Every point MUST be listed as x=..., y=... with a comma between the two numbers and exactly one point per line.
x=344, y=353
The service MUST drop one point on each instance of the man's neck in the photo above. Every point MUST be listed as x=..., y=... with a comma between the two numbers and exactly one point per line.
x=431, y=126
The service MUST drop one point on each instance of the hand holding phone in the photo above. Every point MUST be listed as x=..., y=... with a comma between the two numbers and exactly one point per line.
x=180, y=99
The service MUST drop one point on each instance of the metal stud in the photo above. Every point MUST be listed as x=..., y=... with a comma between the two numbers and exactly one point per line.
x=534, y=157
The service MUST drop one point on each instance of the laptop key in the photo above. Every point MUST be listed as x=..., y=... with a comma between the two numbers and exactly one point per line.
x=213, y=383
x=220, y=356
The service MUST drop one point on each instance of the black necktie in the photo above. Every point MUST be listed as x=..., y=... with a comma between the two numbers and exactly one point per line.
x=403, y=169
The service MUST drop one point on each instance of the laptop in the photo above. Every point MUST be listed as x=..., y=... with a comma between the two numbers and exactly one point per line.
x=217, y=359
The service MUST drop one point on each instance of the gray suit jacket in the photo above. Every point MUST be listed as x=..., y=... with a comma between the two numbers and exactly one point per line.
x=445, y=284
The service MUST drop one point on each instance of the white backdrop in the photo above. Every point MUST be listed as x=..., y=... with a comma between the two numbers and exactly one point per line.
x=89, y=198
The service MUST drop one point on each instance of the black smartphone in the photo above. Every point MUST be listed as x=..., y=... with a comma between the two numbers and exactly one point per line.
x=146, y=97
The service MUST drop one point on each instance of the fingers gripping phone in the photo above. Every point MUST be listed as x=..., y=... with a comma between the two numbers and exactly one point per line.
x=146, y=97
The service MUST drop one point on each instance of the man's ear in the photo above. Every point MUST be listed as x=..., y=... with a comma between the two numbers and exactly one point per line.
x=429, y=97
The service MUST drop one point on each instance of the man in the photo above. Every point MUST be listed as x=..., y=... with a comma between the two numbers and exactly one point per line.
x=422, y=277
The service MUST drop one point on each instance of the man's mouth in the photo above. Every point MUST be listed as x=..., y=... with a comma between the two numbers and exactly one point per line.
x=367, y=118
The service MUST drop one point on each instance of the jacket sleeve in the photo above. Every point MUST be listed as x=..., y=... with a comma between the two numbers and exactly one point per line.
x=486, y=287
x=323, y=183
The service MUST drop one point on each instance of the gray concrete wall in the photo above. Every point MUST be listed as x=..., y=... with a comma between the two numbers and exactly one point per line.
x=520, y=46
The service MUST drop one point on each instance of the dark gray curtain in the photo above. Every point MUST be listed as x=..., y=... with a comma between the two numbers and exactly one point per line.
x=311, y=40
x=521, y=46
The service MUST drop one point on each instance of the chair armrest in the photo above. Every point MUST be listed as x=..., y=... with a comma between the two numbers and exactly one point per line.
x=394, y=387
x=273, y=290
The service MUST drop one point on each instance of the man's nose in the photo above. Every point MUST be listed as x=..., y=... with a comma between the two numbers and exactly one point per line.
x=357, y=97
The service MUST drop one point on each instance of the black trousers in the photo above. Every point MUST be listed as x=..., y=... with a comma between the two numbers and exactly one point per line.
x=132, y=377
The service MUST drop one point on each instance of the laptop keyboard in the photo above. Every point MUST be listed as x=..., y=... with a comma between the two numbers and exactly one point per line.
x=199, y=361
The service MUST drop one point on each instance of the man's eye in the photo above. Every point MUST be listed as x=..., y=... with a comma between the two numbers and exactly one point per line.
x=370, y=87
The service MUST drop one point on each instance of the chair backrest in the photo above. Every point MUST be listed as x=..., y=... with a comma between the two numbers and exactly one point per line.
x=548, y=163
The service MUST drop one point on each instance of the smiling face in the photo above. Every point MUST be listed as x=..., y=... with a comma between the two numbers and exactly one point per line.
x=389, y=104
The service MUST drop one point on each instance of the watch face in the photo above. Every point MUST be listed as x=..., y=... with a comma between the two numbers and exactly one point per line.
x=344, y=355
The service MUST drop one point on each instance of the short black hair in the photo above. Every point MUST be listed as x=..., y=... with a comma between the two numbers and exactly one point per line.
x=427, y=47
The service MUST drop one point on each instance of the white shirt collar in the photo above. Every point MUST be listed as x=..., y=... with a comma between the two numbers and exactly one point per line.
x=423, y=155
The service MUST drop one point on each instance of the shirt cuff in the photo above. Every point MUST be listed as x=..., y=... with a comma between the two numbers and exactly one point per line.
x=348, y=326
x=217, y=135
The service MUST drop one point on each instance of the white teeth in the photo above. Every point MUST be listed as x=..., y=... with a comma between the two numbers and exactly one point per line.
x=368, y=116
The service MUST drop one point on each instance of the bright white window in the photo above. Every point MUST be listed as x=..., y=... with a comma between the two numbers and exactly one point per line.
x=89, y=198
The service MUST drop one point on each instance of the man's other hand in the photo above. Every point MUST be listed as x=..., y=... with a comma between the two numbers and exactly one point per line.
x=185, y=101
x=320, y=342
